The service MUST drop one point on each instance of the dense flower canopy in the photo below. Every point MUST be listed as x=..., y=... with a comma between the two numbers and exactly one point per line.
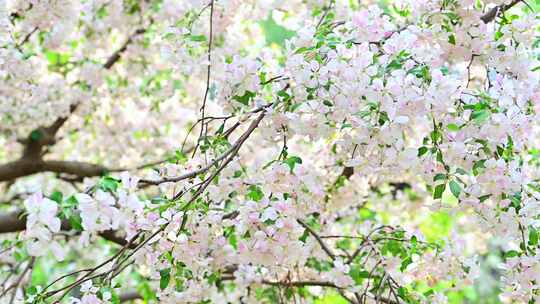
x=262, y=151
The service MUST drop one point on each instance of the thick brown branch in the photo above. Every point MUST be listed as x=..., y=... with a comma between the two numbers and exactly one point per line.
x=80, y=169
x=12, y=222
x=496, y=11
x=118, y=53
x=25, y=167
x=16, y=221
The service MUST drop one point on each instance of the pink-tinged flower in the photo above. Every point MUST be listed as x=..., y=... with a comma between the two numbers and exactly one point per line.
x=42, y=211
x=360, y=19
x=90, y=299
x=269, y=213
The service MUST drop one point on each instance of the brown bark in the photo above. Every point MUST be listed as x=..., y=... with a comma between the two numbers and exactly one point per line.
x=16, y=221
x=496, y=11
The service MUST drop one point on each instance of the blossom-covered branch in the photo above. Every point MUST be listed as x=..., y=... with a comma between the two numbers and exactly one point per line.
x=307, y=152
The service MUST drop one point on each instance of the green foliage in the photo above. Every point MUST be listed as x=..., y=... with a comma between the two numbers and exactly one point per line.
x=246, y=98
x=255, y=193
x=274, y=33
x=165, y=278
x=291, y=161
x=108, y=183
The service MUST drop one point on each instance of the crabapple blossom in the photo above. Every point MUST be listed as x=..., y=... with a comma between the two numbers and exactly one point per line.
x=225, y=151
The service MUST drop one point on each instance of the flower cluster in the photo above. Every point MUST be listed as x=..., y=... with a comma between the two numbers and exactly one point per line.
x=307, y=151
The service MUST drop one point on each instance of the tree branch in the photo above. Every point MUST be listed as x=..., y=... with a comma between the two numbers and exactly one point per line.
x=318, y=238
x=16, y=221
x=25, y=167
x=31, y=161
x=497, y=10
x=232, y=150
x=118, y=53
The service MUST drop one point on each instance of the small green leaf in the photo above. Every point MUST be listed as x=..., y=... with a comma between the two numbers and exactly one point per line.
x=56, y=59
x=484, y=197
x=108, y=183
x=246, y=98
x=255, y=193
x=422, y=151
x=32, y=290
x=70, y=202
x=452, y=127
x=180, y=156
x=452, y=39
x=291, y=161
x=511, y=254
x=328, y=103
x=233, y=240
x=75, y=221
x=439, y=176
x=56, y=196
x=146, y=292
x=165, y=278
x=533, y=237
x=455, y=188
x=480, y=116
x=461, y=171
x=358, y=274
x=439, y=189
x=197, y=37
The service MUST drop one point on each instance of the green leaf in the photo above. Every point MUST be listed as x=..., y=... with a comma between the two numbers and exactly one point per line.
x=291, y=161
x=422, y=151
x=358, y=275
x=180, y=156
x=255, y=193
x=478, y=166
x=511, y=254
x=233, y=240
x=56, y=196
x=56, y=59
x=108, y=183
x=452, y=39
x=455, y=188
x=197, y=37
x=146, y=292
x=480, y=116
x=246, y=98
x=533, y=237
x=484, y=197
x=439, y=189
x=461, y=171
x=75, y=221
x=70, y=202
x=275, y=33
x=406, y=262
x=115, y=299
x=328, y=103
x=165, y=278
x=439, y=176
x=452, y=127
x=32, y=290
